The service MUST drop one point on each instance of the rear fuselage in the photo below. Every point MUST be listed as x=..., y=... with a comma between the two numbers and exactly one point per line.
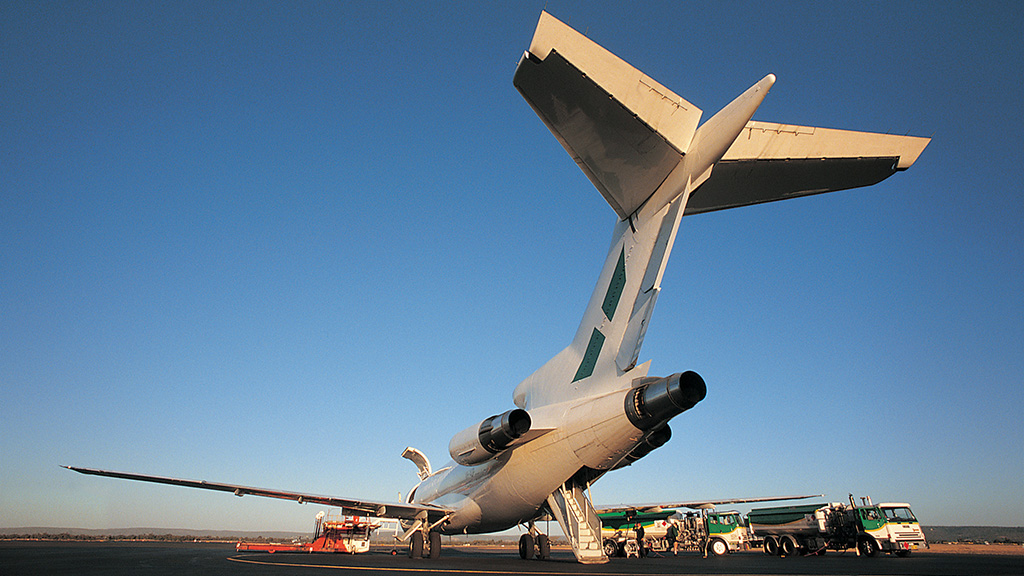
x=511, y=489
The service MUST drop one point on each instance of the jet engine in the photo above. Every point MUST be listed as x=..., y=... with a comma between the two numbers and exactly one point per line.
x=654, y=439
x=656, y=400
x=480, y=443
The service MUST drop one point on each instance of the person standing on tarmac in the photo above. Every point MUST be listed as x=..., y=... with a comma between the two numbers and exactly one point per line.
x=671, y=534
x=639, y=529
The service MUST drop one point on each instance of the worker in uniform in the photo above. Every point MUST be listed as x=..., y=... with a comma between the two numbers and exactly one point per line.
x=672, y=535
x=639, y=529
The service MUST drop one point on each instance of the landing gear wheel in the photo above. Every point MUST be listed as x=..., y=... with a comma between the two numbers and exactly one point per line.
x=868, y=547
x=416, y=545
x=526, y=546
x=771, y=546
x=435, y=545
x=543, y=547
x=611, y=548
x=718, y=547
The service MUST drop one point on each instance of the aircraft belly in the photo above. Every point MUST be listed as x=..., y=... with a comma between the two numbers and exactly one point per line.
x=514, y=493
x=596, y=434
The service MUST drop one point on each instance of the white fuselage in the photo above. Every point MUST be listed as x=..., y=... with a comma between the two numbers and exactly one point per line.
x=511, y=488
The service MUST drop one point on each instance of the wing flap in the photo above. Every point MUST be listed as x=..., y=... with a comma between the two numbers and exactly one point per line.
x=348, y=505
x=770, y=162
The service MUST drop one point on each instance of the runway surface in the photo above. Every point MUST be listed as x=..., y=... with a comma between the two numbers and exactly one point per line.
x=91, y=559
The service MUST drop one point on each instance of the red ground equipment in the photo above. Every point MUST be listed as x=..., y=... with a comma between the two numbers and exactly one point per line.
x=348, y=534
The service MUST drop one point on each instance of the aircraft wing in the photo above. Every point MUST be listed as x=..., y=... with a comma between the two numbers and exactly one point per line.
x=695, y=504
x=349, y=506
x=628, y=133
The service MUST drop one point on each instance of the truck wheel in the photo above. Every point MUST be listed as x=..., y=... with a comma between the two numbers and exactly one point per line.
x=631, y=549
x=416, y=545
x=435, y=545
x=868, y=547
x=526, y=546
x=611, y=548
x=771, y=546
x=718, y=547
x=787, y=546
x=903, y=553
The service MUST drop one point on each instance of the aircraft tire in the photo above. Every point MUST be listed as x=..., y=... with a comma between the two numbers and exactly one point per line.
x=718, y=547
x=435, y=545
x=416, y=545
x=543, y=547
x=526, y=546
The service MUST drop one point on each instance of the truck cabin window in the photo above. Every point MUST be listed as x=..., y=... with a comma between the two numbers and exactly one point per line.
x=899, y=515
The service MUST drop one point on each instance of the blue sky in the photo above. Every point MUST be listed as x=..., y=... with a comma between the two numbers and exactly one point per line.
x=276, y=243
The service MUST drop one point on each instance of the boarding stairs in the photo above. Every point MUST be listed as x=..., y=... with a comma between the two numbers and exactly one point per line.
x=579, y=522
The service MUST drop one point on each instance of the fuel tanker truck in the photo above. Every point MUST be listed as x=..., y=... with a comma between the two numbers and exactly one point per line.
x=814, y=528
x=704, y=530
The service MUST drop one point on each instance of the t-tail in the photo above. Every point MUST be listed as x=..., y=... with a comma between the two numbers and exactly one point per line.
x=639, y=144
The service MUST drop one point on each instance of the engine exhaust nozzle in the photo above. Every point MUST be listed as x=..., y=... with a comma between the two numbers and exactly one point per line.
x=491, y=437
x=656, y=400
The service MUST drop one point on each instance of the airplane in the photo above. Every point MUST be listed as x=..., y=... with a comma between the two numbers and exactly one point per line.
x=593, y=408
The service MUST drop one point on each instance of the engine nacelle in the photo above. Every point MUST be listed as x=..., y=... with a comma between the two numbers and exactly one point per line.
x=655, y=400
x=480, y=443
x=654, y=439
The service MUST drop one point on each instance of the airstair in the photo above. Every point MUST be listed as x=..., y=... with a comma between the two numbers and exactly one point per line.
x=579, y=522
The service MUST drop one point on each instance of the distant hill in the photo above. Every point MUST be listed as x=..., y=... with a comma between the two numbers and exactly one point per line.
x=126, y=532
x=1012, y=534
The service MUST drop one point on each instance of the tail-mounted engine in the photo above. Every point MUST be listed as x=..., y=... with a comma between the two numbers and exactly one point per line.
x=654, y=439
x=478, y=444
x=655, y=400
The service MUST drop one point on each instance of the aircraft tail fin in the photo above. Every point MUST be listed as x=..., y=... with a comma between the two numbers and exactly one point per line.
x=640, y=145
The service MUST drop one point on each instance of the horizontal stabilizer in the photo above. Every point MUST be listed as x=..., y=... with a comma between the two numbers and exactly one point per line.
x=769, y=162
x=624, y=130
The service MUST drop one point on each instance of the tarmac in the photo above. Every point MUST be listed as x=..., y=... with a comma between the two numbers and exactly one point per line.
x=157, y=559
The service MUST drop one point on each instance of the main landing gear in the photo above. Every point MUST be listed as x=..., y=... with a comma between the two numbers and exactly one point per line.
x=534, y=544
x=420, y=547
